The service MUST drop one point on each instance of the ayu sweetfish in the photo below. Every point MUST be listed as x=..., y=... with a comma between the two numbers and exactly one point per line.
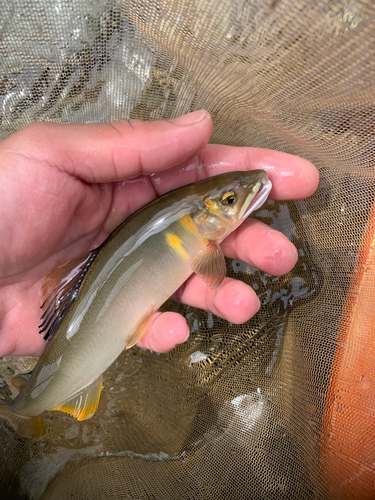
x=101, y=302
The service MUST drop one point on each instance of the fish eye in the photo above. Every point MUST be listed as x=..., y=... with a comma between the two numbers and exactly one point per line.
x=229, y=198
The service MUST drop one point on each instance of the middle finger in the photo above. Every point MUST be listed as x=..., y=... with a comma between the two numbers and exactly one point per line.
x=261, y=246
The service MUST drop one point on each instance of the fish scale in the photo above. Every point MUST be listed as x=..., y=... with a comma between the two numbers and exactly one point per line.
x=102, y=302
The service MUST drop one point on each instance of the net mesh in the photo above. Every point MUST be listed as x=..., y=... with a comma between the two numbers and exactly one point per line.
x=282, y=406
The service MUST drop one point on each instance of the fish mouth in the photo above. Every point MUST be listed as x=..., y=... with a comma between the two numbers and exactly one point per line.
x=257, y=201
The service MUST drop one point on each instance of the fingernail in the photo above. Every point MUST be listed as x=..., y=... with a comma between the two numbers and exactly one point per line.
x=190, y=118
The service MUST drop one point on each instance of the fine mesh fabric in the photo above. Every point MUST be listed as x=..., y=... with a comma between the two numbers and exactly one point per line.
x=283, y=406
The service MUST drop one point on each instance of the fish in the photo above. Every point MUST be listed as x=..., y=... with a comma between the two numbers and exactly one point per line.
x=102, y=302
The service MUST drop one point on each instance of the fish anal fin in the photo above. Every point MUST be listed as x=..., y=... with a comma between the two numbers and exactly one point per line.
x=139, y=331
x=84, y=404
x=59, y=290
x=20, y=380
x=210, y=266
x=28, y=427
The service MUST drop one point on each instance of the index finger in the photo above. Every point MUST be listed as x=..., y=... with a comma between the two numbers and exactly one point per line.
x=292, y=177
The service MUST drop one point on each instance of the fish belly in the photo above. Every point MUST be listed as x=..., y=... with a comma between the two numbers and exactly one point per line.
x=96, y=329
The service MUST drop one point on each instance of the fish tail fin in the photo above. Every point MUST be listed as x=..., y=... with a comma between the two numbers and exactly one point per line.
x=28, y=427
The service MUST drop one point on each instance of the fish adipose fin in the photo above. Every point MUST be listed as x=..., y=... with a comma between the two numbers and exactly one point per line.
x=60, y=289
x=20, y=380
x=28, y=427
x=84, y=404
x=210, y=266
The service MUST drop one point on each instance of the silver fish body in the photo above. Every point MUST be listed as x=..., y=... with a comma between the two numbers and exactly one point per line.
x=105, y=299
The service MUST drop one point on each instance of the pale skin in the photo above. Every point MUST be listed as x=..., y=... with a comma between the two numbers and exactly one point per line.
x=64, y=188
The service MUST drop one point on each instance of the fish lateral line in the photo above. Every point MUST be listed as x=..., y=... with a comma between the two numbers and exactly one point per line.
x=102, y=291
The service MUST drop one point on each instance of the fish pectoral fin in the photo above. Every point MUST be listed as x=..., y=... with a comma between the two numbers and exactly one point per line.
x=83, y=404
x=210, y=266
x=20, y=380
x=60, y=289
x=139, y=331
x=28, y=427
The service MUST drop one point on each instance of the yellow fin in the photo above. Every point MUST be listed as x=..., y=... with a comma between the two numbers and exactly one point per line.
x=138, y=333
x=83, y=404
x=210, y=266
x=28, y=427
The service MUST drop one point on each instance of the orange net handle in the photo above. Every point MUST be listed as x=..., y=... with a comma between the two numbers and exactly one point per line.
x=348, y=435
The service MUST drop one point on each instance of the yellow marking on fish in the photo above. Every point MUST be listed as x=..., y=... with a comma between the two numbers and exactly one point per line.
x=188, y=223
x=212, y=206
x=175, y=242
x=81, y=407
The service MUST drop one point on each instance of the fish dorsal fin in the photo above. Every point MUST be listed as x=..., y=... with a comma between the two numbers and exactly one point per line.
x=210, y=266
x=59, y=290
x=83, y=404
x=20, y=380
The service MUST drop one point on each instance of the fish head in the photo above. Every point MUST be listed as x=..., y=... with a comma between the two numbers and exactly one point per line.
x=229, y=199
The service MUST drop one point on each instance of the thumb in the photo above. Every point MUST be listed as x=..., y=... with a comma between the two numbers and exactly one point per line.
x=98, y=153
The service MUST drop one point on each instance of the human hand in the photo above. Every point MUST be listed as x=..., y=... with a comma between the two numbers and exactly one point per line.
x=64, y=188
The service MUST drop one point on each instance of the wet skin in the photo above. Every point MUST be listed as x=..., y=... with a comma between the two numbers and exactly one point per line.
x=64, y=188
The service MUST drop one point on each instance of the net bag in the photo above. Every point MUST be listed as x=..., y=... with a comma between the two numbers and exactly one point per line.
x=282, y=406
